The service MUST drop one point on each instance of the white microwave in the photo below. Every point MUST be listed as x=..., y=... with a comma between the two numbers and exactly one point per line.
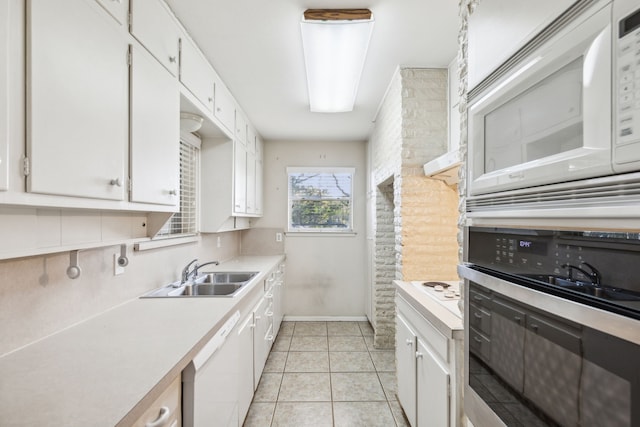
x=568, y=110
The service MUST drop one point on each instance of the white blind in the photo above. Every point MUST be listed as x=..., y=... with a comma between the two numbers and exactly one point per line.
x=185, y=221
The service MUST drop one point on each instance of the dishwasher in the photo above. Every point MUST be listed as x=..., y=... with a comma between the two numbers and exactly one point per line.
x=210, y=381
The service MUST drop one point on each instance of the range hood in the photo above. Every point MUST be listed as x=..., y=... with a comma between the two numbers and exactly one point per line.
x=445, y=167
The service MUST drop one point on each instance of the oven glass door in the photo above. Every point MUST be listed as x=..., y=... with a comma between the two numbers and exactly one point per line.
x=535, y=368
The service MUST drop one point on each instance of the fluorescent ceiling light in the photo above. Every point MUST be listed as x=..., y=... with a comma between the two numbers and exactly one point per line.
x=335, y=46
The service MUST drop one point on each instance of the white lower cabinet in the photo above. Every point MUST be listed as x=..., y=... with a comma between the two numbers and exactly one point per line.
x=426, y=370
x=165, y=411
x=261, y=346
x=245, y=362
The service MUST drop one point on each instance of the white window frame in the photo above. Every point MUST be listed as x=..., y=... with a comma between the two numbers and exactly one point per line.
x=326, y=170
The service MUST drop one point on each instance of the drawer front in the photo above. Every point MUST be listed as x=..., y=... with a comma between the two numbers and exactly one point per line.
x=166, y=410
x=480, y=299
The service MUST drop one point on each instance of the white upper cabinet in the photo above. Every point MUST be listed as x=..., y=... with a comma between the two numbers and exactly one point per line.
x=195, y=73
x=118, y=9
x=154, y=26
x=225, y=109
x=77, y=100
x=4, y=95
x=155, y=131
x=239, y=178
x=499, y=28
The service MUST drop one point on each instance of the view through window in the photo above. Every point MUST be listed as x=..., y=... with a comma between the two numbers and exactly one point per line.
x=320, y=199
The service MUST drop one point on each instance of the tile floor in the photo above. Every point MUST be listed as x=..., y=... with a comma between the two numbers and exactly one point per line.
x=326, y=374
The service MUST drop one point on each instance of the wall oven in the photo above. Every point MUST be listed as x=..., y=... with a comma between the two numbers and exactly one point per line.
x=566, y=111
x=552, y=324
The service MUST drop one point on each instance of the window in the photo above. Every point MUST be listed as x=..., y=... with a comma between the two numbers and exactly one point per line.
x=185, y=221
x=321, y=199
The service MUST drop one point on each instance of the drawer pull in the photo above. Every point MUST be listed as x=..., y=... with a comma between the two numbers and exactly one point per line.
x=477, y=315
x=477, y=339
x=162, y=419
x=477, y=298
x=269, y=313
x=269, y=295
x=419, y=355
x=409, y=341
x=269, y=337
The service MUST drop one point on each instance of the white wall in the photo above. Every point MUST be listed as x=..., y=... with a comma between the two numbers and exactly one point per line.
x=326, y=275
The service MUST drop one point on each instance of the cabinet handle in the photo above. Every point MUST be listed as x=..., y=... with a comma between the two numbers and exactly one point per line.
x=477, y=315
x=172, y=59
x=534, y=327
x=258, y=317
x=210, y=99
x=269, y=338
x=219, y=109
x=173, y=192
x=162, y=419
x=477, y=339
x=269, y=314
x=116, y=182
x=517, y=319
x=269, y=296
x=419, y=355
x=477, y=298
x=409, y=341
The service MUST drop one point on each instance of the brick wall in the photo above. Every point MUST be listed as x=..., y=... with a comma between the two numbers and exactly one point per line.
x=416, y=217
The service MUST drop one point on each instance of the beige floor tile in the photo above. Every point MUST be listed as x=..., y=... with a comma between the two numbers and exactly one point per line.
x=365, y=328
x=276, y=361
x=268, y=387
x=281, y=343
x=351, y=361
x=260, y=415
x=343, y=328
x=303, y=414
x=384, y=361
x=362, y=414
x=389, y=384
x=356, y=386
x=305, y=387
x=346, y=343
x=398, y=414
x=308, y=343
x=286, y=329
x=307, y=361
x=310, y=328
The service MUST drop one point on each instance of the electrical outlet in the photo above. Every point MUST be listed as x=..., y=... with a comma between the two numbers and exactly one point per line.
x=278, y=237
x=219, y=242
x=116, y=268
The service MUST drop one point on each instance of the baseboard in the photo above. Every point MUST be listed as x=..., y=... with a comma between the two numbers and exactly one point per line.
x=325, y=319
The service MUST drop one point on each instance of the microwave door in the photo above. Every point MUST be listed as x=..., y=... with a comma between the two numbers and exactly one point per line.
x=547, y=121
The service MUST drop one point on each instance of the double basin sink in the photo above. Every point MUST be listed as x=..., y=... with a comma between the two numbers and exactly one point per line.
x=216, y=284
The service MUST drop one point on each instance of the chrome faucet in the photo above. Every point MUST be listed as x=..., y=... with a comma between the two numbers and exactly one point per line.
x=186, y=273
x=197, y=267
x=594, y=275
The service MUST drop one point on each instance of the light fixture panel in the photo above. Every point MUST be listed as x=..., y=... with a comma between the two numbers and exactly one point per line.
x=334, y=52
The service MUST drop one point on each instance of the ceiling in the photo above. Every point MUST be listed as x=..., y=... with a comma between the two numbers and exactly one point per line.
x=256, y=49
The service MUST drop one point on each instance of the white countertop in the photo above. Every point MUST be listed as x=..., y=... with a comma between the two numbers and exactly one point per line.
x=441, y=311
x=107, y=369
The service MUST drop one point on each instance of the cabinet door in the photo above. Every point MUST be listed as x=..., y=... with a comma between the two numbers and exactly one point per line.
x=259, y=176
x=77, y=100
x=196, y=74
x=118, y=9
x=156, y=29
x=241, y=128
x=245, y=361
x=260, y=349
x=406, y=360
x=433, y=389
x=155, y=131
x=240, y=178
x=225, y=109
x=4, y=95
x=251, y=183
